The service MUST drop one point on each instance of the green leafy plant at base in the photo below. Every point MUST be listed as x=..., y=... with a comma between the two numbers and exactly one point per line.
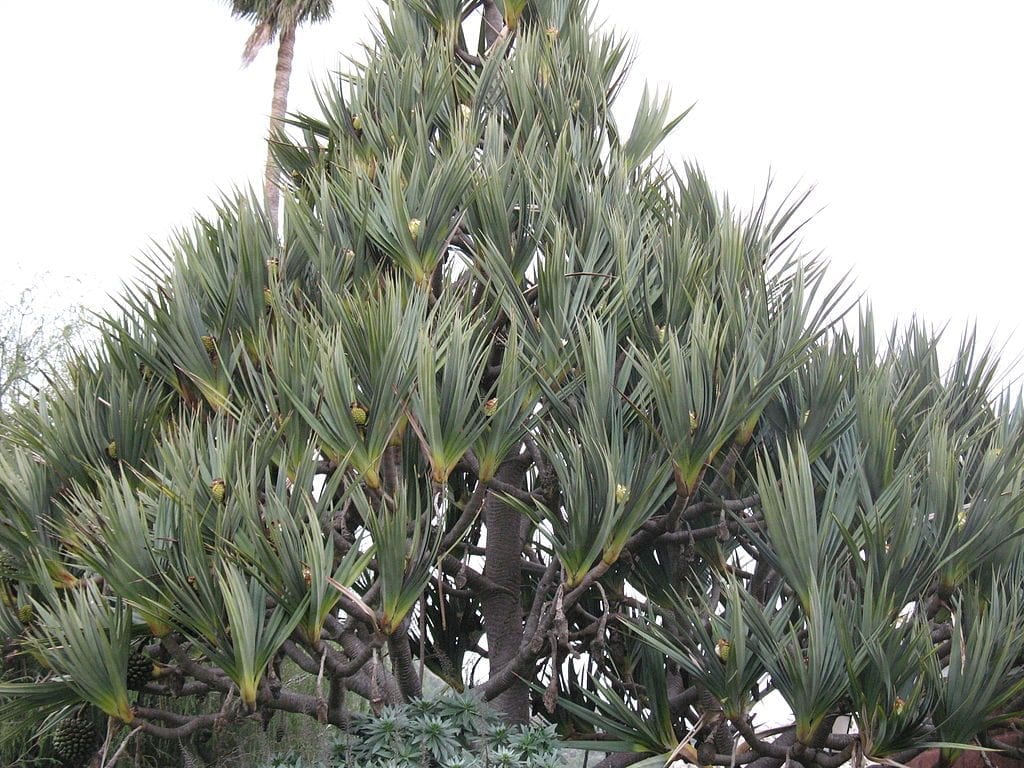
x=449, y=731
x=419, y=734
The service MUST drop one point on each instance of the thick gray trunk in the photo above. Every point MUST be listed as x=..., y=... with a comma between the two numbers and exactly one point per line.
x=493, y=22
x=282, y=79
x=403, y=666
x=502, y=608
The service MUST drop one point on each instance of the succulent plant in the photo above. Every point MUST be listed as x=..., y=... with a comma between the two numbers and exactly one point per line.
x=455, y=730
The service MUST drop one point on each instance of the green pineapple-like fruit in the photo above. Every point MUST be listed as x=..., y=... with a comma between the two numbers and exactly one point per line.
x=218, y=490
x=26, y=614
x=723, y=648
x=8, y=566
x=359, y=414
x=621, y=493
x=112, y=450
x=74, y=741
x=210, y=345
x=140, y=670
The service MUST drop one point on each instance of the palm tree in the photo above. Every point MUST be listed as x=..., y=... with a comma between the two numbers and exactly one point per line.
x=280, y=19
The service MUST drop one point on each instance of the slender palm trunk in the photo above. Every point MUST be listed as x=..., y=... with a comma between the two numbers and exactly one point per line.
x=282, y=79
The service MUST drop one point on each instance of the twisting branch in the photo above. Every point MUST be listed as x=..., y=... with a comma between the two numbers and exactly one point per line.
x=708, y=532
x=514, y=492
x=586, y=583
x=467, y=57
x=547, y=581
x=723, y=472
x=299, y=657
x=194, y=723
x=743, y=758
x=480, y=585
x=731, y=505
x=469, y=514
x=402, y=664
x=514, y=671
x=774, y=749
x=620, y=760
x=212, y=676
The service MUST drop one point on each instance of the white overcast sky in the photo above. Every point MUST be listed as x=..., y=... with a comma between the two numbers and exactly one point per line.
x=123, y=117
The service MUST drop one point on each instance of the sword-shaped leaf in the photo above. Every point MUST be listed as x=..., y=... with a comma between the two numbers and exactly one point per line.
x=87, y=637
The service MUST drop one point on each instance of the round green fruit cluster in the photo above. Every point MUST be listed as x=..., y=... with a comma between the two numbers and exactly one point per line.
x=74, y=740
x=140, y=670
x=8, y=566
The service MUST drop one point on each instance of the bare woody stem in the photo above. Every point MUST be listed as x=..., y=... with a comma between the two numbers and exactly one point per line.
x=282, y=78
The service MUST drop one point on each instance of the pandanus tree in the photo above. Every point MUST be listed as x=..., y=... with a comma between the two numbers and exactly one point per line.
x=519, y=405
